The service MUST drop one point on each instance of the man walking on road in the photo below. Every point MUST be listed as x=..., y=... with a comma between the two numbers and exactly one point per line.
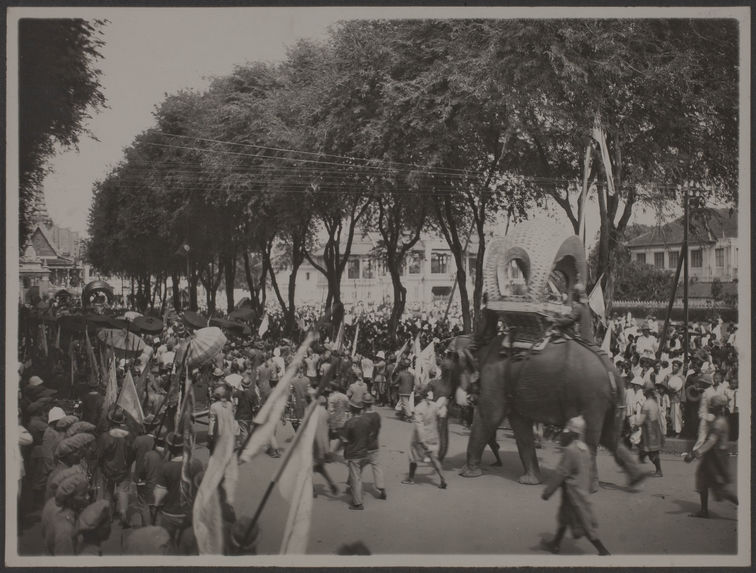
x=375, y=429
x=425, y=439
x=406, y=385
x=573, y=477
x=356, y=437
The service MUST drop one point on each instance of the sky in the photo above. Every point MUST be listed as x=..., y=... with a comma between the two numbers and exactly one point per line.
x=151, y=52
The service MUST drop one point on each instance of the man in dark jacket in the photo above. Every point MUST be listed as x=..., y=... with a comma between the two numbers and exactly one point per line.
x=247, y=405
x=406, y=385
x=356, y=437
x=580, y=317
x=116, y=456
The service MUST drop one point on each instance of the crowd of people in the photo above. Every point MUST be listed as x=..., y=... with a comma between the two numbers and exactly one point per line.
x=83, y=467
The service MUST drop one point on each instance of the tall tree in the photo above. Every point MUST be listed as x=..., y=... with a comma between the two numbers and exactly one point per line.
x=59, y=86
x=651, y=105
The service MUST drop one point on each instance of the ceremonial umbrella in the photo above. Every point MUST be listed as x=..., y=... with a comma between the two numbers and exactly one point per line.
x=244, y=314
x=122, y=341
x=228, y=324
x=194, y=320
x=96, y=286
x=148, y=324
x=204, y=344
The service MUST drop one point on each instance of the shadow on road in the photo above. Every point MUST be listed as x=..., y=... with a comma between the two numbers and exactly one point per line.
x=510, y=469
x=614, y=487
x=689, y=507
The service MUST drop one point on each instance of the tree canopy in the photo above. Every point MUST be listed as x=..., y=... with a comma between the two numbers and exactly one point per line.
x=397, y=127
x=59, y=87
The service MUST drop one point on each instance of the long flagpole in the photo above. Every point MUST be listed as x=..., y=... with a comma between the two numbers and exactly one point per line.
x=287, y=456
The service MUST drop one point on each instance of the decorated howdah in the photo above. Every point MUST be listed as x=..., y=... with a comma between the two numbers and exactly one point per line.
x=529, y=275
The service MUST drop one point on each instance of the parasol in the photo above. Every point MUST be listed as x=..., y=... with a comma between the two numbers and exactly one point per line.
x=95, y=287
x=148, y=324
x=194, y=320
x=227, y=324
x=127, y=342
x=204, y=345
x=244, y=314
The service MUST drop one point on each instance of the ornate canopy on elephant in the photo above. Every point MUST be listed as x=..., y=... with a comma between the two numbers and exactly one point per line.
x=534, y=264
x=530, y=273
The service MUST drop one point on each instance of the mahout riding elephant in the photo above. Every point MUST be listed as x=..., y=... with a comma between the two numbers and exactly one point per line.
x=564, y=379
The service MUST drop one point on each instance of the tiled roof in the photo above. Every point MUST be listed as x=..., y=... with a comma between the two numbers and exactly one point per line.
x=721, y=224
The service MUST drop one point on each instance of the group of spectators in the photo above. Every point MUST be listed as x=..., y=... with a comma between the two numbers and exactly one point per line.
x=85, y=467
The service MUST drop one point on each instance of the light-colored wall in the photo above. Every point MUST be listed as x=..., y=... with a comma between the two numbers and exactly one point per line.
x=312, y=287
x=709, y=270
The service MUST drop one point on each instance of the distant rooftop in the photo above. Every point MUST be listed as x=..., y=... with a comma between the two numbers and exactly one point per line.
x=720, y=224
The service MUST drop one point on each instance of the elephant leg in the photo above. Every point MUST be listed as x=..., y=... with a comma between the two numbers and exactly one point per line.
x=479, y=435
x=487, y=418
x=494, y=445
x=523, y=431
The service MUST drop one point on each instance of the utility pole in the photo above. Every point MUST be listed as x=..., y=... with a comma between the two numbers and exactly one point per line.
x=686, y=207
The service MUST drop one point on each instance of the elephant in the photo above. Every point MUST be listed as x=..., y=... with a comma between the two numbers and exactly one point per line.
x=564, y=379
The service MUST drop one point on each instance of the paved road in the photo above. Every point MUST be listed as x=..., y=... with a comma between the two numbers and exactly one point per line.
x=492, y=514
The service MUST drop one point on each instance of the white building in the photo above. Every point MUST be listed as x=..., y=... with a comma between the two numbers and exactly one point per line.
x=712, y=248
x=428, y=274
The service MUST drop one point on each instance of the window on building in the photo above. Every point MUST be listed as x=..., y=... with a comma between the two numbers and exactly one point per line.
x=367, y=269
x=307, y=276
x=659, y=260
x=719, y=256
x=414, y=263
x=439, y=263
x=696, y=258
x=641, y=258
x=673, y=258
x=353, y=268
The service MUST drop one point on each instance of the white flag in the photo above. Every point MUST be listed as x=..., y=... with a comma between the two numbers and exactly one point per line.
x=129, y=399
x=273, y=408
x=606, y=344
x=339, y=343
x=263, y=325
x=596, y=299
x=428, y=361
x=111, y=387
x=295, y=484
x=207, y=516
x=354, y=342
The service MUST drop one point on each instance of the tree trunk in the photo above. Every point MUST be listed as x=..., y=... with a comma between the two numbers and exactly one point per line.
x=400, y=299
x=176, y=291
x=155, y=291
x=193, y=280
x=254, y=290
x=229, y=269
x=448, y=223
x=478, y=290
x=273, y=280
x=290, y=318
